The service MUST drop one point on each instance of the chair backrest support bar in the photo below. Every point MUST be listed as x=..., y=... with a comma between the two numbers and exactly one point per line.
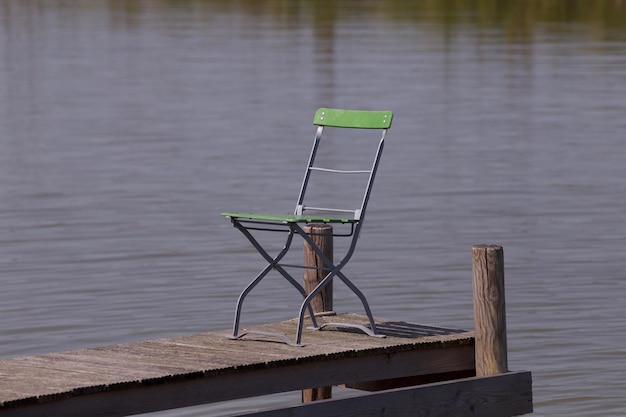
x=307, y=174
x=341, y=171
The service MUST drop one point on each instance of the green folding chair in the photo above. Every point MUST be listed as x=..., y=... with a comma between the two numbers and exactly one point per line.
x=350, y=220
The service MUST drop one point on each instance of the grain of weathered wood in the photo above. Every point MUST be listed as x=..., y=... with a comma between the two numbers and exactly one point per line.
x=504, y=395
x=195, y=369
x=489, y=310
x=322, y=235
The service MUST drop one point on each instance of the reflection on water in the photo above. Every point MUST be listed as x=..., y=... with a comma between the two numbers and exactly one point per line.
x=127, y=126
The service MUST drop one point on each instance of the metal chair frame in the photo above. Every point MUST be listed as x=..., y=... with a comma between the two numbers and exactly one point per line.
x=245, y=222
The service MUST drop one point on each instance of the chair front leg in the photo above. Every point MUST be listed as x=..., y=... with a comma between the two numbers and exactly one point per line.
x=307, y=304
x=243, y=295
x=300, y=288
x=271, y=265
x=362, y=298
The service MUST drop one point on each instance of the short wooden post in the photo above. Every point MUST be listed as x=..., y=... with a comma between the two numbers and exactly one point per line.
x=489, y=310
x=322, y=235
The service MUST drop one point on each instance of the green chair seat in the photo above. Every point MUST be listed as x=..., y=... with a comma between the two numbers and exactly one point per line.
x=289, y=218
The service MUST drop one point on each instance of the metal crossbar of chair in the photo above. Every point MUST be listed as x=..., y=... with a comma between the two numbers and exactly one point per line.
x=245, y=222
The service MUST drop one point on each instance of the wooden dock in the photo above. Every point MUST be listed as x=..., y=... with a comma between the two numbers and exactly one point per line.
x=208, y=367
x=416, y=370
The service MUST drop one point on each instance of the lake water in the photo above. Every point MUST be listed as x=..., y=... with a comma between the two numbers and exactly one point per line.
x=127, y=126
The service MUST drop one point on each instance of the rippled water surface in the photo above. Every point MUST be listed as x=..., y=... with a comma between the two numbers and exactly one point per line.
x=126, y=127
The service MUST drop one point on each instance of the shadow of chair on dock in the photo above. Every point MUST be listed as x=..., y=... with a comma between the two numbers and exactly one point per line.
x=404, y=330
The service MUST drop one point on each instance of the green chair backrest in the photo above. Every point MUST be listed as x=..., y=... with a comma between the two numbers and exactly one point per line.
x=360, y=119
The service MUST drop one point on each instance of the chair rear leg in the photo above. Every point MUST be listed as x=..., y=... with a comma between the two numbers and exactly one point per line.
x=372, y=331
x=359, y=294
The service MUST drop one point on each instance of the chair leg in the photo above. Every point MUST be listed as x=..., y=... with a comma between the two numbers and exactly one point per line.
x=272, y=264
x=359, y=294
x=307, y=304
x=299, y=287
x=243, y=295
x=372, y=331
x=335, y=270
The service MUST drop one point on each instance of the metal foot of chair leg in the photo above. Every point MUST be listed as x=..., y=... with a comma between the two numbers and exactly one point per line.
x=364, y=329
x=279, y=336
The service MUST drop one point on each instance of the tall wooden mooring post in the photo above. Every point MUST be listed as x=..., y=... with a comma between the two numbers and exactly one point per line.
x=489, y=310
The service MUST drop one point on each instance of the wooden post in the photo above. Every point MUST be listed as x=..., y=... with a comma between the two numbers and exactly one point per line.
x=322, y=235
x=489, y=310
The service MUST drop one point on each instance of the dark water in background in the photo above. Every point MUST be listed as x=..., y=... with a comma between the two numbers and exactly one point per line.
x=127, y=126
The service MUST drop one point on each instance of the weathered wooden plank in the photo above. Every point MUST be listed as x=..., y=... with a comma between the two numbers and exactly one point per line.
x=503, y=395
x=185, y=390
x=86, y=363
x=24, y=383
x=195, y=369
